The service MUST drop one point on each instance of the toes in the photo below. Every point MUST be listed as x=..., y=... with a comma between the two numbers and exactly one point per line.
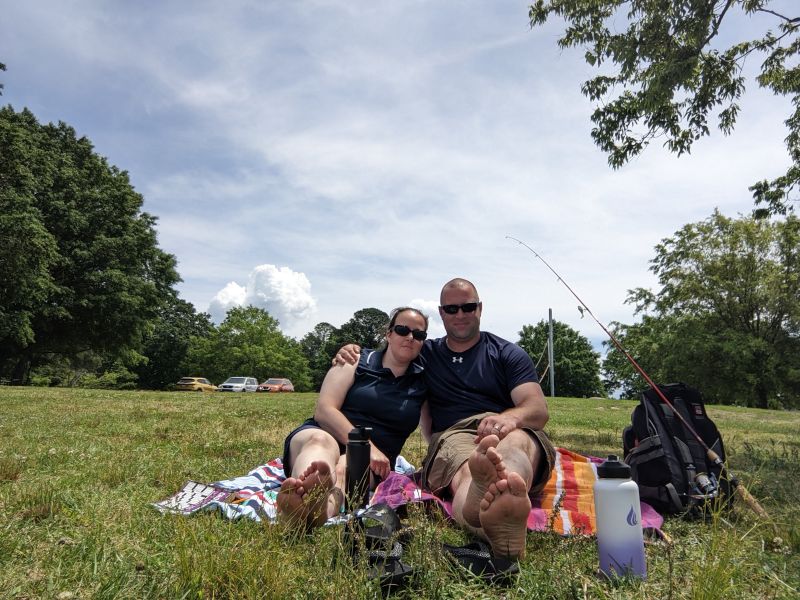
x=496, y=458
x=516, y=484
x=490, y=441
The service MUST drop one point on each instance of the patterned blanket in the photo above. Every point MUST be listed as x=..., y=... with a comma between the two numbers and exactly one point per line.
x=565, y=505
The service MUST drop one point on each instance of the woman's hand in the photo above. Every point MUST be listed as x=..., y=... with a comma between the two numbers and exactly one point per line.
x=378, y=463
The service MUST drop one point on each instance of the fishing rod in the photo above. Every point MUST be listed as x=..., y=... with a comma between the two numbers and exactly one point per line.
x=747, y=498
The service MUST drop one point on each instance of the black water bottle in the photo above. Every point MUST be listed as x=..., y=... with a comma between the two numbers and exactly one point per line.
x=357, y=478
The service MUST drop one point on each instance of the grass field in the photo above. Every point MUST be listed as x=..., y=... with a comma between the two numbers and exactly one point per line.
x=78, y=469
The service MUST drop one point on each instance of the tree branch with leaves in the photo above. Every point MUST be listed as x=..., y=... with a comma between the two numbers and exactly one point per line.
x=664, y=77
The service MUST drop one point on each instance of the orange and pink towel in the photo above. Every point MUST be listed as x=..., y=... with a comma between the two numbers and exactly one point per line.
x=565, y=505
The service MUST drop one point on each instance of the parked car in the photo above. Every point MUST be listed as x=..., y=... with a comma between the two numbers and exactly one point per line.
x=239, y=384
x=195, y=384
x=276, y=384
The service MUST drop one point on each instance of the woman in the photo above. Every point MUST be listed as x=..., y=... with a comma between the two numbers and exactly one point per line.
x=385, y=391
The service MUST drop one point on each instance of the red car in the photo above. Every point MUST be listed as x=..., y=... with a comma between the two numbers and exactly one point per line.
x=275, y=384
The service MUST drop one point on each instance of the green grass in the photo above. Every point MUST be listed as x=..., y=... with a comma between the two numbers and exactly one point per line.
x=78, y=469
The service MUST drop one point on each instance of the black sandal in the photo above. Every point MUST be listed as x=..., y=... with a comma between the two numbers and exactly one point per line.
x=381, y=530
x=477, y=558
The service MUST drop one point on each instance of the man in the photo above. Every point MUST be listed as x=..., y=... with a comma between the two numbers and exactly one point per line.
x=486, y=447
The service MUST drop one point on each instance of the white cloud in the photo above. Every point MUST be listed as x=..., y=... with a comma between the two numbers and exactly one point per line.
x=283, y=293
x=231, y=296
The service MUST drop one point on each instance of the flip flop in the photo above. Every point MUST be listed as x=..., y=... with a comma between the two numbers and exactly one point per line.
x=382, y=526
x=477, y=558
x=381, y=529
x=391, y=572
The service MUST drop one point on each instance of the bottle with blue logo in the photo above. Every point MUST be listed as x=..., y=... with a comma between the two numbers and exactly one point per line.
x=618, y=517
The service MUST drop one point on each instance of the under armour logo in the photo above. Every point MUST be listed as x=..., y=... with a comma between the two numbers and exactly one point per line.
x=458, y=359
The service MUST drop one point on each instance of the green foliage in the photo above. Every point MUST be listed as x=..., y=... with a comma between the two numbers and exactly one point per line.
x=319, y=347
x=577, y=365
x=167, y=342
x=659, y=58
x=367, y=328
x=80, y=268
x=115, y=377
x=247, y=343
x=727, y=316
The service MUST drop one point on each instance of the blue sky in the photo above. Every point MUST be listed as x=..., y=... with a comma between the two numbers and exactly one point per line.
x=315, y=158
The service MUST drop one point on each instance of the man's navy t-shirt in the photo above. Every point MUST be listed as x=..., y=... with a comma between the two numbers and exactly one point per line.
x=463, y=384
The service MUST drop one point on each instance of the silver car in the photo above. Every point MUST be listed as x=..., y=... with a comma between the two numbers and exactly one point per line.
x=239, y=384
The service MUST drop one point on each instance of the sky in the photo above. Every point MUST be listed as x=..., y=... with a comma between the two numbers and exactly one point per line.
x=319, y=157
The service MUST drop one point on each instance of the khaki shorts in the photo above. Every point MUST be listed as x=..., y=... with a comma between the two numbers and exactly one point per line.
x=451, y=448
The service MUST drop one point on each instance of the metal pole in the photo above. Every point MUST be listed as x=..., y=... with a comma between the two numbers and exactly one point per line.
x=550, y=353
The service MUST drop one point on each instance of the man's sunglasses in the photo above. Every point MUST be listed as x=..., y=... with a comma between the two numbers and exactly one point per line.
x=417, y=334
x=452, y=309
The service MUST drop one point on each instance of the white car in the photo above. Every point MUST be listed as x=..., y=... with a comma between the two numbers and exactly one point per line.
x=239, y=384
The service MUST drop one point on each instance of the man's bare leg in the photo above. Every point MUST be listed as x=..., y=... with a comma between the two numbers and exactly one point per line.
x=485, y=467
x=505, y=506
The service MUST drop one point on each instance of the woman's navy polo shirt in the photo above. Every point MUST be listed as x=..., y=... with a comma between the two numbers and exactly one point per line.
x=390, y=405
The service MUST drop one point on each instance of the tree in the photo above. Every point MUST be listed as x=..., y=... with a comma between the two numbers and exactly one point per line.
x=249, y=343
x=577, y=365
x=80, y=267
x=663, y=346
x=367, y=328
x=319, y=346
x=727, y=316
x=166, y=344
x=671, y=75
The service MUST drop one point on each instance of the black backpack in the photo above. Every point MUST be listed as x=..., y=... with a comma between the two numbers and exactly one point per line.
x=667, y=462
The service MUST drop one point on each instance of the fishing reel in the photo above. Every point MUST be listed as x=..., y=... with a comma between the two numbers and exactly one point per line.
x=706, y=487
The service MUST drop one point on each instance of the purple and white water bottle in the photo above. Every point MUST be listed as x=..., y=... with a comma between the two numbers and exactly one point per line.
x=618, y=516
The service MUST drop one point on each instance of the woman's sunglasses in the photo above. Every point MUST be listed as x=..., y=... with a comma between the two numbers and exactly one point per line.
x=417, y=334
x=452, y=309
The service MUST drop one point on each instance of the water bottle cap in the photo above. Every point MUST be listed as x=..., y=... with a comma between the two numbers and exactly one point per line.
x=359, y=434
x=613, y=468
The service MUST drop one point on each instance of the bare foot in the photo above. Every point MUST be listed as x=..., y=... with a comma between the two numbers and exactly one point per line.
x=304, y=499
x=290, y=498
x=485, y=467
x=504, y=515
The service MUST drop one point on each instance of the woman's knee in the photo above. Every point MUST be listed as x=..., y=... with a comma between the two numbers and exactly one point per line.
x=314, y=438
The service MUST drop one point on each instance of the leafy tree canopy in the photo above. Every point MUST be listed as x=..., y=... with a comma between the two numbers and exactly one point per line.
x=248, y=343
x=167, y=343
x=577, y=365
x=727, y=316
x=367, y=328
x=80, y=267
x=660, y=58
x=319, y=346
